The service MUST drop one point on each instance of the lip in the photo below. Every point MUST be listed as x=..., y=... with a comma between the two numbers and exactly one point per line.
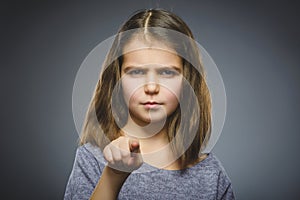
x=151, y=104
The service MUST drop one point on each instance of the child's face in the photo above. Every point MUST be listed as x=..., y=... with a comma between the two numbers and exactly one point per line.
x=151, y=81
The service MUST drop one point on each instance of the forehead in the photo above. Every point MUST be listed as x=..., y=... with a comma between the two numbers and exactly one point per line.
x=140, y=51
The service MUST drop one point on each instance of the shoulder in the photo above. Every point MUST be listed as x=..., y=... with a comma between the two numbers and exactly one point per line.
x=87, y=161
x=216, y=176
x=87, y=169
x=212, y=162
x=88, y=150
x=90, y=154
x=212, y=165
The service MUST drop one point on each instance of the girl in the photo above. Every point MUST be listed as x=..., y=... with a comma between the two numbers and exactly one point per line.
x=149, y=119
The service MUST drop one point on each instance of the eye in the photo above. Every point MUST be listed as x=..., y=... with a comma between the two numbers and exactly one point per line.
x=168, y=72
x=136, y=72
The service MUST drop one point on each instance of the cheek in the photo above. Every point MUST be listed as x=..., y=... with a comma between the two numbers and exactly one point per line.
x=173, y=89
x=172, y=99
x=134, y=97
x=172, y=95
x=130, y=91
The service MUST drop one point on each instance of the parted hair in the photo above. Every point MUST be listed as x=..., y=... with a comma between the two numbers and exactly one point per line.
x=104, y=121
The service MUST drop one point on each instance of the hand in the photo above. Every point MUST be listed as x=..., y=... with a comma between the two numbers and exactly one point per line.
x=123, y=155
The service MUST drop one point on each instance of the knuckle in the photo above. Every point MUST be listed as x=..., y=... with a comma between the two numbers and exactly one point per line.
x=117, y=158
x=126, y=154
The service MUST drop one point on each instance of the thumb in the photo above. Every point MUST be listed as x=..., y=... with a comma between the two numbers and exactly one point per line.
x=134, y=146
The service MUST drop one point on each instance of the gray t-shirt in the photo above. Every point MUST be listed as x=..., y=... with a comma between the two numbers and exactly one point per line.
x=205, y=180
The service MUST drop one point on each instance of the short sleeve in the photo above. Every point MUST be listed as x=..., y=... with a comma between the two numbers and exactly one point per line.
x=225, y=191
x=84, y=176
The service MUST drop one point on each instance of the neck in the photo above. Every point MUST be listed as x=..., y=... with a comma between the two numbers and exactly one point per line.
x=151, y=138
x=155, y=142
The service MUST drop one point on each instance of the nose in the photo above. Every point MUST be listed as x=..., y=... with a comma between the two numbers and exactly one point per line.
x=151, y=88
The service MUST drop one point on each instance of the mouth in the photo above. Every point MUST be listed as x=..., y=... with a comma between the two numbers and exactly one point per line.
x=151, y=104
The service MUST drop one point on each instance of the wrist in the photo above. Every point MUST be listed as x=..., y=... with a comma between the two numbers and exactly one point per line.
x=117, y=173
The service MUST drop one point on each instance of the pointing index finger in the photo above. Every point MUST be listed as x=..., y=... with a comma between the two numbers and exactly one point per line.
x=134, y=146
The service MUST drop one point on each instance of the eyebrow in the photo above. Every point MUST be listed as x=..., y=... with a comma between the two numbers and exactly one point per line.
x=129, y=67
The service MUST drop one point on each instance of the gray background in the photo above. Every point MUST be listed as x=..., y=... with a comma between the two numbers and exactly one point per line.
x=255, y=44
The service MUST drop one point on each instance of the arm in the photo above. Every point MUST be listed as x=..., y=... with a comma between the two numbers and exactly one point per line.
x=109, y=184
x=122, y=160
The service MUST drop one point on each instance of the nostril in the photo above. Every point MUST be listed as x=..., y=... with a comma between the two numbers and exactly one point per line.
x=151, y=88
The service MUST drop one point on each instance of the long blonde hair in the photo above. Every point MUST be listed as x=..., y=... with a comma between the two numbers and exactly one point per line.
x=101, y=126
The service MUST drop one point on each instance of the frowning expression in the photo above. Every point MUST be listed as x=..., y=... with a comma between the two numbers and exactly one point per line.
x=151, y=82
